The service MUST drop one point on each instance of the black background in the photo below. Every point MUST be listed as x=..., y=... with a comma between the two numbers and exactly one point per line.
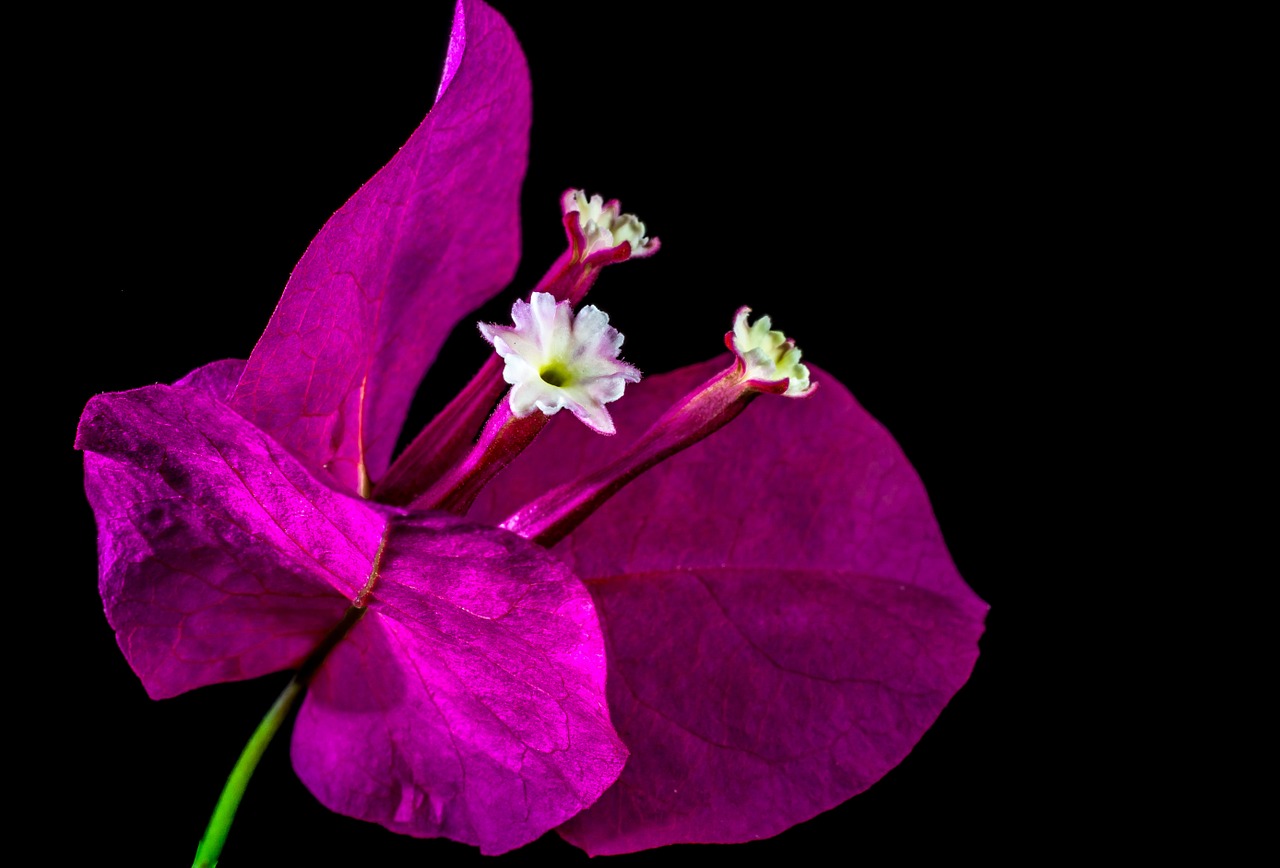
x=892, y=191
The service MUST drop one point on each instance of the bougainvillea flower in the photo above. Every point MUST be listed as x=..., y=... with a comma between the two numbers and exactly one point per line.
x=468, y=700
x=764, y=586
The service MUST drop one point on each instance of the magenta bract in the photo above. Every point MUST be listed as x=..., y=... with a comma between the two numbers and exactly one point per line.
x=427, y=240
x=783, y=620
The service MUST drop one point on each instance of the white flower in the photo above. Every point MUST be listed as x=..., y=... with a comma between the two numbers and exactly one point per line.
x=604, y=227
x=556, y=360
x=769, y=356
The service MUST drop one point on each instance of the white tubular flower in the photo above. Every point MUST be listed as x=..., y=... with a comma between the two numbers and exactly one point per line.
x=604, y=228
x=769, y=356
x=556, y=360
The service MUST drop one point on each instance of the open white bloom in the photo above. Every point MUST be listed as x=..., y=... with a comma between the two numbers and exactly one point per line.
x=603, y=227
x=769, y=356
x=556, y=360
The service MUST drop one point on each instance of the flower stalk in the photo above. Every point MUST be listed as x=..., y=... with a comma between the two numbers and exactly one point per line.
x=214, y=839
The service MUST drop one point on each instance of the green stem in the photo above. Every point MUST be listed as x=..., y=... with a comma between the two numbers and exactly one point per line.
x=215, y=834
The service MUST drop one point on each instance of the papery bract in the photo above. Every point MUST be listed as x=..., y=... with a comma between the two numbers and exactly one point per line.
x=473, y=705
x=212, y=537
x=467, y=702
x=783, y=620
x=468, y=698
x=434, y=234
